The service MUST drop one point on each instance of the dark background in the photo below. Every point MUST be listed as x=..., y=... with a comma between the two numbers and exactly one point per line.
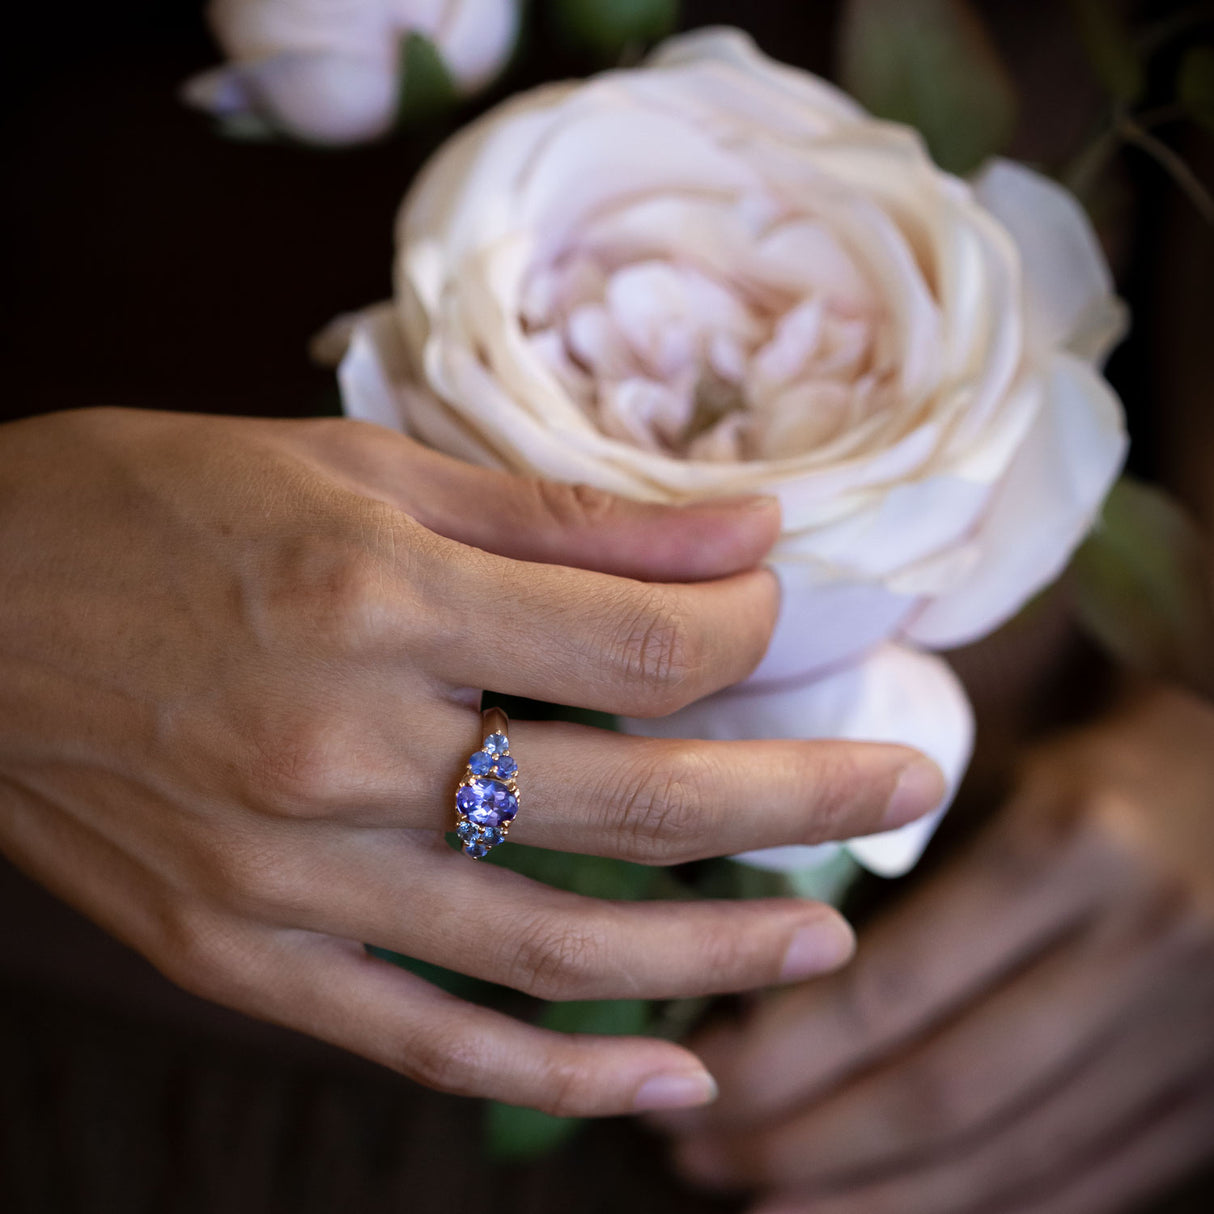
x=151, y=263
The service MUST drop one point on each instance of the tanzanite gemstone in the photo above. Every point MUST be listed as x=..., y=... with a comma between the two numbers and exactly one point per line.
x=495, y=743
x=467, y=830
x=486, y=801
x=506, y=766
x=478, y=851
x=481, y=763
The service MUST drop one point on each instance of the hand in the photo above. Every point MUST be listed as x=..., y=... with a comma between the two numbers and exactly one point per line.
x=240, y=666
x=1029, y=1032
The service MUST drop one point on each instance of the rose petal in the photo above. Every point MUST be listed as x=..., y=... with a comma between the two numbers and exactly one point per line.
x=804, y=98
x=1041, y=509
x=250, y=30
x=1068, y=289
x=824, y=622
x=896, y=694
x=324, y=97
x=475, y=38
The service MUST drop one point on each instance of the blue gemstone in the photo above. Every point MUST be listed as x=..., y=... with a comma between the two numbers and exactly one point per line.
x=476, y=850
x=481, y=763
x=506, y=766
x=495, y=743
x=491, y=836
x=486, y=801
x=466, y=830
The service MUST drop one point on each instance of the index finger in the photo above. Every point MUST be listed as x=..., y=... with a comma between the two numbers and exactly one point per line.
x=594, y=640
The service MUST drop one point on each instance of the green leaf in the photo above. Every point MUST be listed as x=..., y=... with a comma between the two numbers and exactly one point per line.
x=610, y=1017
x=723, y=878
x=475, y=990
x=1110, y=48
x=427, y=89
x=517, y=1134
x=594, y=876
x=1142, y=586
x=829, y=881
x=609, y=27
x=932, y=65
x=1195, y=84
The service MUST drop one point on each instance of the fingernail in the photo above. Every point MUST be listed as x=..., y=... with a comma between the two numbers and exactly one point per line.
x=684, y=1090
x=818, y=949
x=919, y=790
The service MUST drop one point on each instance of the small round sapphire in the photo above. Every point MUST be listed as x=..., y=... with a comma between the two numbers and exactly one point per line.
x=495, y=743
x=506, y=766
x=486, y=801
x=481, y=763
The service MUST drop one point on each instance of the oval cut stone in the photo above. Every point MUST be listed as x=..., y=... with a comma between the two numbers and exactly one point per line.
x=487, y=801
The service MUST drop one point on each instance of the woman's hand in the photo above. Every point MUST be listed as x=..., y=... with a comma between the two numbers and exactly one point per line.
x=1030, y=1031
x=240, y=667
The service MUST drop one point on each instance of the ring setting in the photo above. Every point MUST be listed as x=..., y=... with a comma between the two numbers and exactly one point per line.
x=487, y=798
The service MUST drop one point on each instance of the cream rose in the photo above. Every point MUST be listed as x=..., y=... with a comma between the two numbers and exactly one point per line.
x=330, y=70
x=715, y=274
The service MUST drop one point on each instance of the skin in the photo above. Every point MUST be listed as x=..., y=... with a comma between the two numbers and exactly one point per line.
x=240, y=672
x=1029, y=1031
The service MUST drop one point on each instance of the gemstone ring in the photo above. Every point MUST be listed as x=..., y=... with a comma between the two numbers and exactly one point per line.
x=487, y=798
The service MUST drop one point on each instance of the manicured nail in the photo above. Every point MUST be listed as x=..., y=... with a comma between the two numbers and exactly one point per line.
x=818, y=949
x=684, y=1090
x=919, y=790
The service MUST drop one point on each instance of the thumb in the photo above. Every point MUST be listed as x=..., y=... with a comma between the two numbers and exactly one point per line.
x=530, y=519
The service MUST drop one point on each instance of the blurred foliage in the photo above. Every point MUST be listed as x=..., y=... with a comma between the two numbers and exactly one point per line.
x=1110, y=48
x=591, y=876
x=475, y=990
x=1142, y=586
x=427, y=88
x=828, y=882
x=609, y=29
x=930, y=64
x=517, y=1134
x=1195, y=85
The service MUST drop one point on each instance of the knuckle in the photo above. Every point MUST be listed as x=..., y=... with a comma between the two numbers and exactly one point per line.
x=341, y=589
x=197, y=953
x=659, y=655
x=566, y=1084
x=258, y=877
x=573, y=505
x=298, y=769
x=556, y=960
x=928, y=1102
x=447, y=1061
x=349, y=596
x=868, y=996
x=659, y=813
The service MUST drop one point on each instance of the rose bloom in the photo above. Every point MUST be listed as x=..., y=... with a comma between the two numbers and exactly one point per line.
x=330, y=70
x=715, y=274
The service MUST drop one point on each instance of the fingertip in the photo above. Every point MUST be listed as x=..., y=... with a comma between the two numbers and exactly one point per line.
x=919, y=789
x=675, y=1090
x=741, y=532
x=820, y=947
